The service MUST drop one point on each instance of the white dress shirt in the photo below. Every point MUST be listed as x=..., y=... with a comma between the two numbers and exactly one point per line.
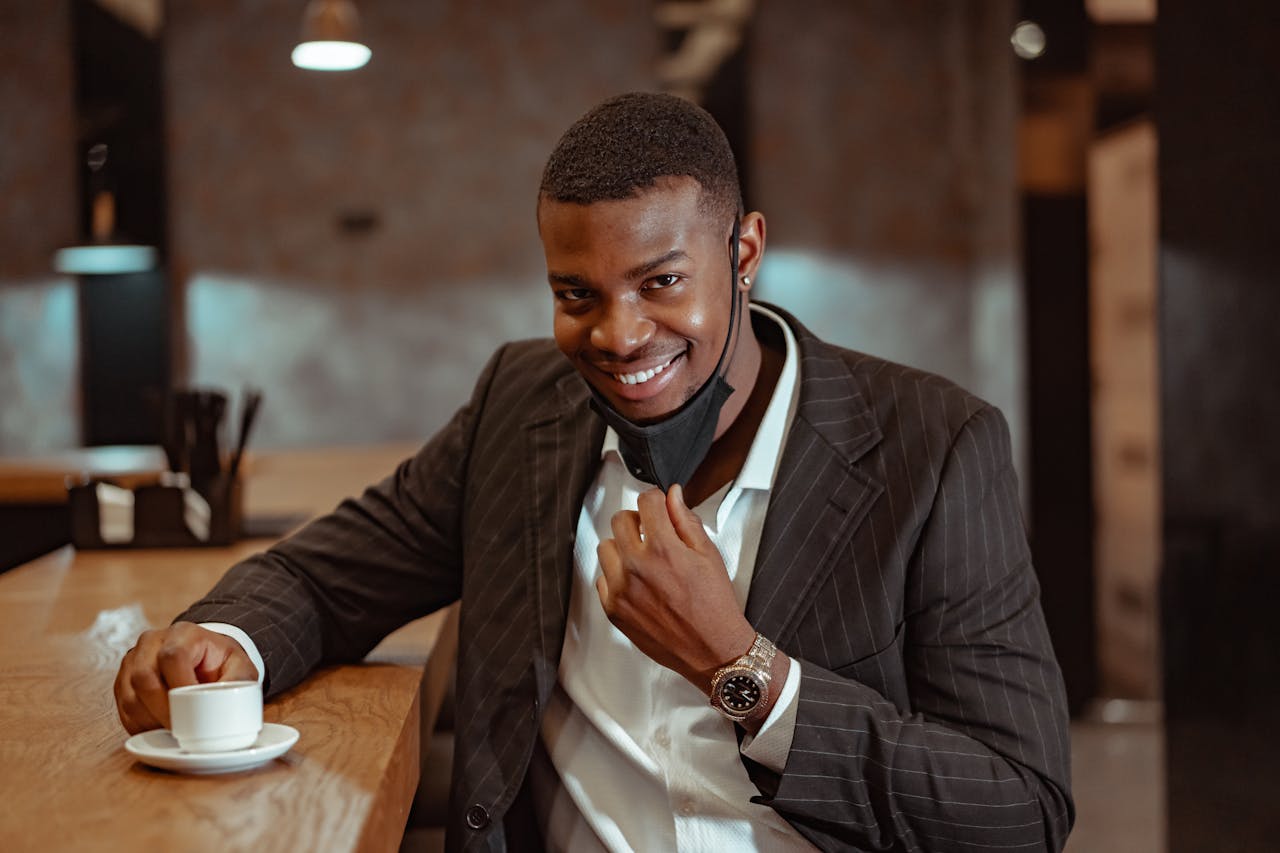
x=644, y=762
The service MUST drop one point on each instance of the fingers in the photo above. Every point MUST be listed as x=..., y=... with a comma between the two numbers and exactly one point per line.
x=627, y=529
x=612, y=579
x=655, y=518
x=142, y=698
x=177, y=663
x=134, y=716
x=685, y=521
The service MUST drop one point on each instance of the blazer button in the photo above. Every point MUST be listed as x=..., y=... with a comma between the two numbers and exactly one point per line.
x=477, y=816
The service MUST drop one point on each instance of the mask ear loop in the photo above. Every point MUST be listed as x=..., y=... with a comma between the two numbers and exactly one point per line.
x=733, y=304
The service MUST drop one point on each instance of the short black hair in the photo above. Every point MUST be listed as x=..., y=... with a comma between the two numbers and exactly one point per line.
x=626, y=144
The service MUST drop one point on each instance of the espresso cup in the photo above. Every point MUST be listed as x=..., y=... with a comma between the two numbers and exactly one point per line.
x=216, y=717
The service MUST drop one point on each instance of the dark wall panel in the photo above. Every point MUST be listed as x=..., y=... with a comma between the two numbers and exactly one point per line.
x=1218, y=110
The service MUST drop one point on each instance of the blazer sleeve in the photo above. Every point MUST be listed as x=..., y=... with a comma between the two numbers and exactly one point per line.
x=334, y=589
x=980, y=761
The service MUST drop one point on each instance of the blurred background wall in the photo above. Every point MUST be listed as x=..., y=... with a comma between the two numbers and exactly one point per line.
x=357, y=244
x=883, y=154
x=39, y=394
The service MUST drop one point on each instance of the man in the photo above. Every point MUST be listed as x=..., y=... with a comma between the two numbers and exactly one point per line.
x=822, y=629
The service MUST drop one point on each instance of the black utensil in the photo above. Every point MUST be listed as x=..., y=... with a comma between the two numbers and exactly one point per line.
x=207, y=411
x=248, y=415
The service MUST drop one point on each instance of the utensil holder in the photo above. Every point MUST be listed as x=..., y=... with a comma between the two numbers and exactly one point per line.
x=159, y=516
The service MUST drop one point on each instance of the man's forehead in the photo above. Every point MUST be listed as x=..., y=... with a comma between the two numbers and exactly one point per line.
x=663, y=191
x=672, y=207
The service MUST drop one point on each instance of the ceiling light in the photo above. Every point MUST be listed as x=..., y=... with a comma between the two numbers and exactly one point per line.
x=331, y=38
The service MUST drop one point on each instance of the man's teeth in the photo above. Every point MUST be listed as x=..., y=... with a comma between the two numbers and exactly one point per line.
x=641, y=377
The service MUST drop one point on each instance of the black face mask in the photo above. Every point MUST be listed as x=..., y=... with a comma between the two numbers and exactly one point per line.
x=670, y=451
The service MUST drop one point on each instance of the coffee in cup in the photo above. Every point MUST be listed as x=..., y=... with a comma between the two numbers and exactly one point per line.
x=216, y=717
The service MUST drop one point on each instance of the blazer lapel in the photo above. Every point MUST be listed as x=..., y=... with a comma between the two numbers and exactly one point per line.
x=820, y=495
x=563, y=443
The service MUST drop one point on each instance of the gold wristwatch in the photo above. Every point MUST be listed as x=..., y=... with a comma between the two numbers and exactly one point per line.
x=742, y=687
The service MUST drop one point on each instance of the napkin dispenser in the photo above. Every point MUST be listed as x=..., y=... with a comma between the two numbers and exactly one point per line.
x=197, y=502
x=167, y=514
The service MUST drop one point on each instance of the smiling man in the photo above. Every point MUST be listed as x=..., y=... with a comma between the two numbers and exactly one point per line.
x=724, y=586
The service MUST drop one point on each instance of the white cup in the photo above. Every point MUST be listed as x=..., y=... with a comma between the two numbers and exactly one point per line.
x=216, y=717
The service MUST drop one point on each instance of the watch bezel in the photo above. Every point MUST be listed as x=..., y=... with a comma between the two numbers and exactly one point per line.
x=730, y=672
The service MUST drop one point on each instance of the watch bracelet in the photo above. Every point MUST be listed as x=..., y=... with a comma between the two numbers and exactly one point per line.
x=762, y=651
x=757, y=658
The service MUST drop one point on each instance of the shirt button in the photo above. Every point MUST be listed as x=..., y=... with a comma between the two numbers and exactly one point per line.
x=661, y=738
x=477, y=817
x=686, y=807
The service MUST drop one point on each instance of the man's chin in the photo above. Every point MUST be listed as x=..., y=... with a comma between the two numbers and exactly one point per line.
x=642, y=412
x=648, y=411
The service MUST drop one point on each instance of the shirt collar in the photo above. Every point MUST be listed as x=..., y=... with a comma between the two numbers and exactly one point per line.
x=761, y=464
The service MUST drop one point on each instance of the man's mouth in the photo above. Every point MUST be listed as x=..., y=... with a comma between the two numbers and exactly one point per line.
x=647, y=383
x=643, y=376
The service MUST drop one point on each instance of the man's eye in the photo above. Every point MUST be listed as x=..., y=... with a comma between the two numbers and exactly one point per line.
x=660, y=281
x=573, y=294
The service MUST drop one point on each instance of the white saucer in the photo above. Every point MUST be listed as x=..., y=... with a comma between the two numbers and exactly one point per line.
x=159, y=749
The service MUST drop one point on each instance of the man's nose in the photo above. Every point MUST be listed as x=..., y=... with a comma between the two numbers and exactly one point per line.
x=622, y=330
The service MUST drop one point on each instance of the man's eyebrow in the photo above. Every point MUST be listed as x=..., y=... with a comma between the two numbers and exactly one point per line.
x=639, y=271
x=649, y=266
x=567, y=279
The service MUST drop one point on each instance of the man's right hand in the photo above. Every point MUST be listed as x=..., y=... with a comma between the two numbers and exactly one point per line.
x=182, y=654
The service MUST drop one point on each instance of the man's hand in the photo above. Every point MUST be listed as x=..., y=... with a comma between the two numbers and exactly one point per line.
x=182, y=654
x=663, y=583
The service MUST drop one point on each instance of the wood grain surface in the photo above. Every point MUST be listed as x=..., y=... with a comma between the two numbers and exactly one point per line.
x=66, y=782
x=43, y=479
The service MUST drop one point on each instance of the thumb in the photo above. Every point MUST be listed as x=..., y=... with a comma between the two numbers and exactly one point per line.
x=686, y=522
x=227, y=661
x=238, y=667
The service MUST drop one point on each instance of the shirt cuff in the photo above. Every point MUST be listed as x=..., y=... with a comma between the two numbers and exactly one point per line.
x=771, y=745
x=251, y=648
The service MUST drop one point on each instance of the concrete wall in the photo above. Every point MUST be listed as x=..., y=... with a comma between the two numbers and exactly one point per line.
x=38, y=321
x=884, y=161
x=441, y=139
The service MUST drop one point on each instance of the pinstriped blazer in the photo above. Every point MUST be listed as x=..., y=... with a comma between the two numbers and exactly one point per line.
x=892, y=563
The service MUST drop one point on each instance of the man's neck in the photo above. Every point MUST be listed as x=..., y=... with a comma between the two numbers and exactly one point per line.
x=729, y=451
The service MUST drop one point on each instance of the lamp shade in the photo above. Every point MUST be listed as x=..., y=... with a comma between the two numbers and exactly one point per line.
x=104, y=254
x=331, y=37
x=104, y=259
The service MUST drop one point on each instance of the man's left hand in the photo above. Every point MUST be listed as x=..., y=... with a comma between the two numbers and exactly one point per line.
x=663, y=583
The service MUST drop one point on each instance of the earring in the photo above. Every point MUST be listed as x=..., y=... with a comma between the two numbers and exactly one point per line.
x=746, y=279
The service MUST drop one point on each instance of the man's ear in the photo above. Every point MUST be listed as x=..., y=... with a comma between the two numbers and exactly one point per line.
x=750, y=248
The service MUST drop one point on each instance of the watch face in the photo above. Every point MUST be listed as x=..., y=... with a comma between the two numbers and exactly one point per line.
x=740, y=693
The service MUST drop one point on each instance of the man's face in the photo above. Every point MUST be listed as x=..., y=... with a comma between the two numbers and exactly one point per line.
x=642, y=294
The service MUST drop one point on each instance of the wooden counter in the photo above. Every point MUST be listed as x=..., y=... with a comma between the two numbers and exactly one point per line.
x=67, y=783
x=43, y=479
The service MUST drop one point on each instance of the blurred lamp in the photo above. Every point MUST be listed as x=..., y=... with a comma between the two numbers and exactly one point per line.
x=331, y=37
x=1028, y=40
x=103, y=254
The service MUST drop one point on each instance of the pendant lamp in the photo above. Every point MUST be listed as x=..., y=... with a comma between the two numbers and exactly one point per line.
x=331, y=37
x=104, y=253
